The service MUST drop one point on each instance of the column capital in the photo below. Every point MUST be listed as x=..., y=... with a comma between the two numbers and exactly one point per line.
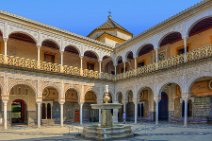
x=5, y=102
x=185, y=37
x=156, y=98
x=185, y=97
x=5, y=39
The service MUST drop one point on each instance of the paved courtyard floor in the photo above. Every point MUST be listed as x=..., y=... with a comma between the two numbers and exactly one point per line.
x=143, y=131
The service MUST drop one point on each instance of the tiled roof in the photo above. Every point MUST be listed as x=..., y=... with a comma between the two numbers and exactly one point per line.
x=110, y=24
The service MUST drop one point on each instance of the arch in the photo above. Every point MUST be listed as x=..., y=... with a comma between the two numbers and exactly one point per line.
x=53, y=85
x=202, y=78
x=50, y=43
x=90, y=114
x=72, y=49
x=48, y=92
x=169, y=38
x=129, y=55
x=129, y=96
x=75, y=88
x=108, y=65
x=19, y=109
x=144, y=49
x=200, y=25
x=20, y=104
x=119, y=60
x=118, y=96
x=74, y=91
x=92, y=98
x=193, y=80
x=71, y=106
x=23, y=83
x=163, y=85
x=20, y=35
x=91, y=54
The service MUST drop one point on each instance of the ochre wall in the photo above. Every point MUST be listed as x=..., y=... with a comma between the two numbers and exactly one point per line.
x=201, y=88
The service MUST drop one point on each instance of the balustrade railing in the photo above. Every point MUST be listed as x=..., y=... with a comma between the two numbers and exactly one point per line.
x=173, y=61
x=22, y=62
x=200, y=53
x=48, y=66
x=90, y=73
x=193, y=55
x=71, y=70
x=107, y=76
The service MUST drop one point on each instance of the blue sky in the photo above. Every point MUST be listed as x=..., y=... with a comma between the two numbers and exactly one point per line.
x=82, y=16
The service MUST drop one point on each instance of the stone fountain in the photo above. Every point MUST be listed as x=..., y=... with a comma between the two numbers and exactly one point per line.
x=107, y=130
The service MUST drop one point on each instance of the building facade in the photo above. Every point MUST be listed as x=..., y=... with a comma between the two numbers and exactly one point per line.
x=50, y=76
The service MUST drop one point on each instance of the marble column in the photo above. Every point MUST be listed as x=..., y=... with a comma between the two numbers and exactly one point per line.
x=38, y=56
x=185, y=48
x=39, y=114
x=61, y=114
x=100, y=115
x=185, y=111
x=156, y=57
x=81, y=106
x=100, y=68
x=61, y=61
x=135, y=65
x=81, y=65
x=124, y=107
x=136, y=112
x=5, y=114
x=5, y=50
x=156, y=111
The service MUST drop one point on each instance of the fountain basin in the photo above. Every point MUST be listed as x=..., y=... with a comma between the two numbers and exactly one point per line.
x=106, y=106
x=114, y=132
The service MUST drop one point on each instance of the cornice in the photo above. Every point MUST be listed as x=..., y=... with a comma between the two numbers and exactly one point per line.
x=43, y=27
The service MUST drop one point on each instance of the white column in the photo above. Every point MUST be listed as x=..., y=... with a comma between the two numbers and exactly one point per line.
x=156, y=57
x=135, y=65
x=100, y=68
x=115, y=69
x=185, y=48
x=61, y=57
x=61, y=114
x=124, y=67
x=5, y=114
x=39, y=114
x=61, y=61
x=156, y=111
x=81, y=65
x=100, y=115
x=38, y=56
x=125, y=106
x=136, y=111
x=185, y=111
x=5, y=50
x=81, y=106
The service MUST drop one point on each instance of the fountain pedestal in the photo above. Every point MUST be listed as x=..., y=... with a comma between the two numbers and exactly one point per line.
x=107, y=130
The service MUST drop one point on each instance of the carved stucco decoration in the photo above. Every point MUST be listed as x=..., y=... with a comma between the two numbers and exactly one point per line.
x=13, y=28
x=183, y=76
x=18, y=81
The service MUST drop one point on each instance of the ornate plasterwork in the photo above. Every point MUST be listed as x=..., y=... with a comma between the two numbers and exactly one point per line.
x=18, y=81
x=184, y=76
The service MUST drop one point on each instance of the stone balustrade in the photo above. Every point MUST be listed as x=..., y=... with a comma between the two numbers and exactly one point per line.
x=197, y=54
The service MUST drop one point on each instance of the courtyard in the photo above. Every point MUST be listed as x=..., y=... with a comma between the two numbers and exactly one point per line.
x=143, y=131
